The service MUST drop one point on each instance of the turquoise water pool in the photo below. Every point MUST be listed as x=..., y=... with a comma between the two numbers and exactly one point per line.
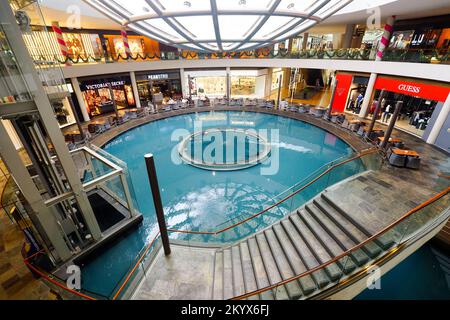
x=424, y=275
x=198, y=199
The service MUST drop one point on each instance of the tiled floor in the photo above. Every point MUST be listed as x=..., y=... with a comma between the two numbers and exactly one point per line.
x=16, y=281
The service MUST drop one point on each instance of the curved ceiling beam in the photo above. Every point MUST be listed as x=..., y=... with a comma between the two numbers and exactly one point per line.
x=174, y=26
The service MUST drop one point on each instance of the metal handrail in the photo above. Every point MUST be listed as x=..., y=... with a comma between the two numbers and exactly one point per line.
x=326, y=165
x=358, y=156
x=346, y=253
x=128, y=277
x=52, y=278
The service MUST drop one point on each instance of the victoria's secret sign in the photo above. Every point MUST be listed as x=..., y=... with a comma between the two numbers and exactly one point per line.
x=422, y=90
x=102, y=83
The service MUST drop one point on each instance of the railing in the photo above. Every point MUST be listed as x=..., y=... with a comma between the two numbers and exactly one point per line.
x=404, y=55
x=287, y=201
x=401, y=230
x=418, y=55
x=101, y=171
x=145, y=257
x=57, y=283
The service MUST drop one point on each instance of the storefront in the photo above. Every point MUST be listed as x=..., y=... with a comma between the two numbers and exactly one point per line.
x=356, y=92
x=210, y=83
x=248, y=83
x=344, y=82
x=139, y=45
x=156, y=85
x=420, y=101
x=63, y=112
x=100, y=94
x=422, y=34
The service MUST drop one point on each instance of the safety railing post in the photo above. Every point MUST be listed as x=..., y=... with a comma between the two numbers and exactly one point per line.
x=151, y=171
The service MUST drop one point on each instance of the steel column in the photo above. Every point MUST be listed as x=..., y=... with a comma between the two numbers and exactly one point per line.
x=380, y=103
x=390, y=128
x=153, y=179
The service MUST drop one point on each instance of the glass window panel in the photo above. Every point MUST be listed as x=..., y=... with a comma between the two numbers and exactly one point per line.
x=243, y=86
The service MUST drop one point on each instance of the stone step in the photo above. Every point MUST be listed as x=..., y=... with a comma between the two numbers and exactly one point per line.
x=336, y=234
x=247, y=270
x=319, y=252
x=320, y=276
x=286, y=272
x=218, y=276
x=306, y=282
x=270, y=265
x=356, y=235
x=324, y=237
x=385, y=241
x=258, y=267
x=227, y=275
x=238, y=278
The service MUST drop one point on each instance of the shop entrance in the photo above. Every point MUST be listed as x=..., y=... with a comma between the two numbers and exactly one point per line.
x=101, y=94
x=419, y=102
x=415, y=114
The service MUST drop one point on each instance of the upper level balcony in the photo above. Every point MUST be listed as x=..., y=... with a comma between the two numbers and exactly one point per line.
x=434, y=56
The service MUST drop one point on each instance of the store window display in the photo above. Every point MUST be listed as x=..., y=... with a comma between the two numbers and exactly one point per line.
x=99, y=93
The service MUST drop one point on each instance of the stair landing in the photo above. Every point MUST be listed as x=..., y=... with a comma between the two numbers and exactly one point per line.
x=186, y=274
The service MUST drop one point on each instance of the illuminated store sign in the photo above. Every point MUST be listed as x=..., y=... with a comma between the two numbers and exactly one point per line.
x=104, y=85
x=408, y=88
x=159, y=76
x=422, y=90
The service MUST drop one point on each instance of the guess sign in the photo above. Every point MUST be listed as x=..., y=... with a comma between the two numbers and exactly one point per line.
x=422, y=90
x=407, y=88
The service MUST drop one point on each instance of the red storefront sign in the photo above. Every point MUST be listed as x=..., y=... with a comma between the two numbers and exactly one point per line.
x=417, y=89
x=342, y=89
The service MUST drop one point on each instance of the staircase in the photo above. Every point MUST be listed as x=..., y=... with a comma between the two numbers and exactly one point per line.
x=313, y=235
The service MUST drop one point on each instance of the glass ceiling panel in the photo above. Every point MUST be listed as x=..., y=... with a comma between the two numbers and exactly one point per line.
x=196, y=24
x=135, y=7
x=236, y=27
x=272, y=26
x=330, y=9
x=243, y=5
x=295, y=31
x=296, y=5
x=198, y=27
x=167, y=30
x=183, y=5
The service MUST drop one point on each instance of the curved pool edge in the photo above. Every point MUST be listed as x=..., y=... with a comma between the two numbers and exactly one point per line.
x=348, y=137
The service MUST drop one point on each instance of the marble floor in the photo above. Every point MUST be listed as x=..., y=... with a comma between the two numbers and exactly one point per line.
x=186, y=274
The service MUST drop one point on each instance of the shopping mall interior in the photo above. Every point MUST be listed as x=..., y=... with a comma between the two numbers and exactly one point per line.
x=224, y=150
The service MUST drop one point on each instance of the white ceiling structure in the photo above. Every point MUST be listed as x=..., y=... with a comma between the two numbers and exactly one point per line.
x=219, y=25
x=357, y=12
